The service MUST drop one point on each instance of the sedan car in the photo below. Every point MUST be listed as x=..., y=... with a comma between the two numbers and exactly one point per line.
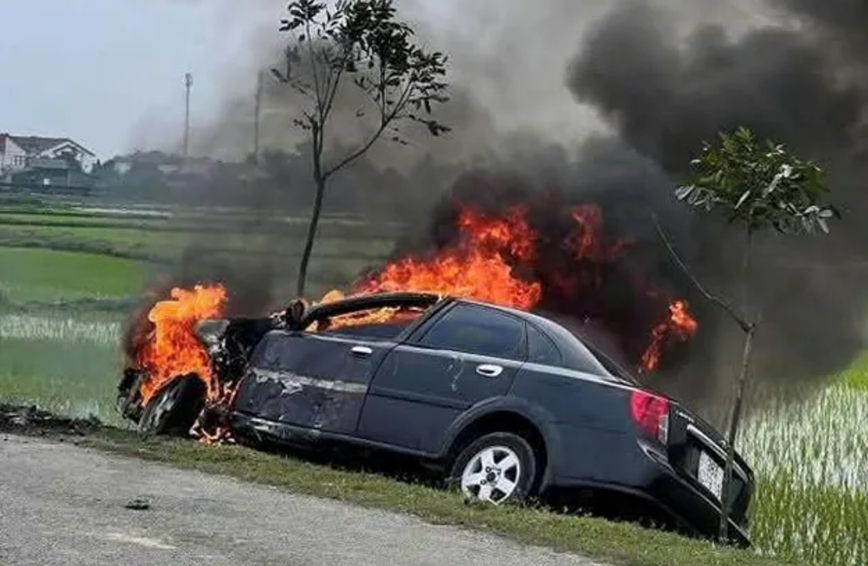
x=508, y=404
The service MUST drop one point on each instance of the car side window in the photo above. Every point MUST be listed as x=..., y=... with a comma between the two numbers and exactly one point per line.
x=478, y=330
x=541, y=349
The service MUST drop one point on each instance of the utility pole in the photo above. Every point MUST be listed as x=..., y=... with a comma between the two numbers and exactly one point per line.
x=188, y=82
x=257, y=117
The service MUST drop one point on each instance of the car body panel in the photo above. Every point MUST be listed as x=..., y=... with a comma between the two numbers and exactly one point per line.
x=418, y=393
x=311, y=381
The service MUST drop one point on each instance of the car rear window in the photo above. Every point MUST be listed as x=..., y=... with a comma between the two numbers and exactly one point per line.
x=478, y=330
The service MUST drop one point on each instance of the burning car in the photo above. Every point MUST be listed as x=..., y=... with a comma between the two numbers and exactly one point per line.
x=507, y=404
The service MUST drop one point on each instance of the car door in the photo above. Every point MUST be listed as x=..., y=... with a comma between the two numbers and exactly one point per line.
x=467, y=355
x=309, y=380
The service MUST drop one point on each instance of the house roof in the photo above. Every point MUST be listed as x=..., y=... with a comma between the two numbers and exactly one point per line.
x=36, y=144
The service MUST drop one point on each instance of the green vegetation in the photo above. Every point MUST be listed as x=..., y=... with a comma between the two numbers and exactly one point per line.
x=857, y=376
x=43, y=275
x=61, y=362
x=359, y=45
x=617, y=542
x=761, y=186
x=811, y=460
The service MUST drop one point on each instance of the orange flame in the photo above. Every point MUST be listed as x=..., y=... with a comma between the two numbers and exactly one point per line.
x=173, y=349
x=475, y=269
x=511, y=233
x=584, y=241
x=679, y=325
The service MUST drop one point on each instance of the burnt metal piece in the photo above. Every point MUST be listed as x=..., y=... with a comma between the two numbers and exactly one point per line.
x=138, y=505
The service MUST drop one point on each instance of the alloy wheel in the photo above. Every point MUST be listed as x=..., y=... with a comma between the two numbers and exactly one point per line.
x=492, y=475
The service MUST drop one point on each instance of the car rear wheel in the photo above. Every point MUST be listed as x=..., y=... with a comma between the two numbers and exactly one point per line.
x=496, y=468
x=173, y=410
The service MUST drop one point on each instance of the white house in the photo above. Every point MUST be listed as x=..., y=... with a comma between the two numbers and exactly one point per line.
x=12, y=156
x=56, y=148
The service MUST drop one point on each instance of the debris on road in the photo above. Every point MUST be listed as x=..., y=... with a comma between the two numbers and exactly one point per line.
x=138, y=505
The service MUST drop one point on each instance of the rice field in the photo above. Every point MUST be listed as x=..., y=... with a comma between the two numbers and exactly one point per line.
x=61, y=364
x=811, y=461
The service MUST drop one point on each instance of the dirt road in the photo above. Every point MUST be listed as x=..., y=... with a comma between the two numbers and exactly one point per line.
x=63, y=505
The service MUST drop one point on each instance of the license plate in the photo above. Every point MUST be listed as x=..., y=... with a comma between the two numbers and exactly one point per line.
x=710, y=475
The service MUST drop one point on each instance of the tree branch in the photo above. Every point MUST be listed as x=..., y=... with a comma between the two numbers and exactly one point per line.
x=384, y=123
x=743, y=324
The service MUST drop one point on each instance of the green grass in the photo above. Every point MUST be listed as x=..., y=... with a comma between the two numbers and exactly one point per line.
x=170, y=244
x=856, y=376
x=619, y=543
x=811, y=460
x=44, y=275
x=70, y=378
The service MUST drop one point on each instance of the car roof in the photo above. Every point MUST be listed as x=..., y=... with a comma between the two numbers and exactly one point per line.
x=576, y=349
x=571, y=346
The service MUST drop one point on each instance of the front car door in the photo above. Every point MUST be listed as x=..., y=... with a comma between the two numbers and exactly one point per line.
x=468, y=354
x=309, y=380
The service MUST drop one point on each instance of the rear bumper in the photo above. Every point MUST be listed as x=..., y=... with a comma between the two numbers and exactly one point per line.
x=654, y=482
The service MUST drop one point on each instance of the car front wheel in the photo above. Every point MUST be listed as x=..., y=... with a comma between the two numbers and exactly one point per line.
x=496, y=468
x=173, y=410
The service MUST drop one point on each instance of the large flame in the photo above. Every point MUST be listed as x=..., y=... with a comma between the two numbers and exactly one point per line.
x=497, y=259
x=173, y=349
x=478, y=267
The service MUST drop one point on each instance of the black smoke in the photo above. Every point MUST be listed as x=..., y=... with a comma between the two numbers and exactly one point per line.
x=664, y=92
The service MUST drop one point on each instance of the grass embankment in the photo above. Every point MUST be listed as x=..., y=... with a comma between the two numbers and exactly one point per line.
x=619, y=543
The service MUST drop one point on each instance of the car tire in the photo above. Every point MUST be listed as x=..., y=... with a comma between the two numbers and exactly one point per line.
x=496, y=468
x=174, y=409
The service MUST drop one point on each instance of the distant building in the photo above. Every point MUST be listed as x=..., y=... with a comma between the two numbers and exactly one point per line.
x=45, y=161
x=52, y=173
x=57, y=148
x=12, y=156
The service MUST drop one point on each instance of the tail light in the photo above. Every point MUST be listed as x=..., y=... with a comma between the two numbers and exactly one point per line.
x=651, y=414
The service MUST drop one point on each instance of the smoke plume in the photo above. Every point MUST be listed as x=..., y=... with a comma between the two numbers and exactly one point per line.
x=664, y=90
x=607, y=102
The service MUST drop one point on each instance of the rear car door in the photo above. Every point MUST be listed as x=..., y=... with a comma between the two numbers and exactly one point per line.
x=316, y=381
x=467, y=355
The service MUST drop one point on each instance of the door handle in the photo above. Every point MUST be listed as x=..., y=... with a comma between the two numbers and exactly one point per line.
x=361, y=351
x=489, y=370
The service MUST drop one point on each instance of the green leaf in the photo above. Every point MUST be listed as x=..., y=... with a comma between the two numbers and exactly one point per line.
x=823, y=224
x=684, y=191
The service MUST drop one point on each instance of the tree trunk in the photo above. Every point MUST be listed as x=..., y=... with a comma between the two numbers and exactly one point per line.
x=733, y=431
x=311, y=236
x=726, y=504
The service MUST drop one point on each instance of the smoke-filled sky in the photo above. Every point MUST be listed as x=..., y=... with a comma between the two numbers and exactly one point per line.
x=109, y=73
x=99, y=70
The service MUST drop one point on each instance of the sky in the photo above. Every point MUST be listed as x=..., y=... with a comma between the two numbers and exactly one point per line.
x=99, y=71
x=110, y=73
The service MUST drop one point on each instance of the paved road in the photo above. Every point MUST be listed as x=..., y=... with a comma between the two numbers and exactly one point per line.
x=65, y=506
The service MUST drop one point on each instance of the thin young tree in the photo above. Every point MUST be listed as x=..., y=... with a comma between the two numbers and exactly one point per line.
x=361, y=45
x=761, y=186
